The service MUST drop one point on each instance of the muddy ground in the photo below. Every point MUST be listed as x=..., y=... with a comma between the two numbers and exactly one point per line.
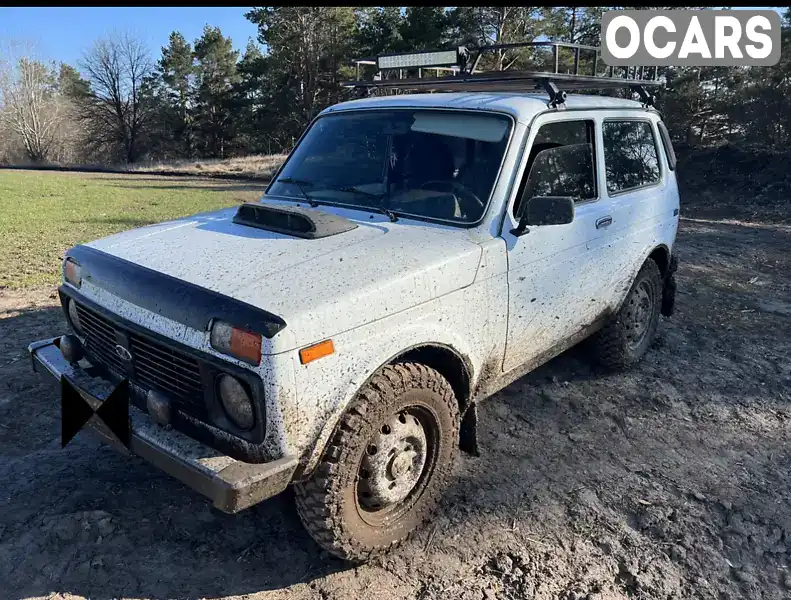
x=670, y=481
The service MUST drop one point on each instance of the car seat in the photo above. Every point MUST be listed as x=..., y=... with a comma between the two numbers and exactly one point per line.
x=430, y=160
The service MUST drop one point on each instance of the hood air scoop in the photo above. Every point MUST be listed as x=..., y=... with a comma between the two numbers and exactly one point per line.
x=299, y=222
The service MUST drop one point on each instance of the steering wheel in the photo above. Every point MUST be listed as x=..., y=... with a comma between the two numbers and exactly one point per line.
x=467, y=199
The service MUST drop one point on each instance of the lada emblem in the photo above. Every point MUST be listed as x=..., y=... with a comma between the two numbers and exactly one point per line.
x=123, y=353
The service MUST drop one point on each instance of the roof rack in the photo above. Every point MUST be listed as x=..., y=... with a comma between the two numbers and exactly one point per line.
x=462, y=63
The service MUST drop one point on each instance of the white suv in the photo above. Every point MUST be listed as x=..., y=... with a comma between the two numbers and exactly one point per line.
x=414, y=255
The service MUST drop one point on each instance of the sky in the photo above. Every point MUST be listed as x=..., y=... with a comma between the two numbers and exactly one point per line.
x=64, y=33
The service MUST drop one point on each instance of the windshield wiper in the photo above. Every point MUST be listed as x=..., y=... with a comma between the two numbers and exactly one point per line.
x=378, y=197
x=299, y=183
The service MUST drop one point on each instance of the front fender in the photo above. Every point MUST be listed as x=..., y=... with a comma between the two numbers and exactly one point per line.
x=359, y=355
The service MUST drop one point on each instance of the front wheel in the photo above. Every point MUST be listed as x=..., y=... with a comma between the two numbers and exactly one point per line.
x=384, y=470
x=625, y=339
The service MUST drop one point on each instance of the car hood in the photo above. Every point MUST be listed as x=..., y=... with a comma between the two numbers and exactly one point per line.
x=320, y=286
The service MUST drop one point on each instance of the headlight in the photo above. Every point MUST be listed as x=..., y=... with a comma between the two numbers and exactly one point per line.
x=72, y=272
x=74, y=316
x=237, y=342
x=236, y=402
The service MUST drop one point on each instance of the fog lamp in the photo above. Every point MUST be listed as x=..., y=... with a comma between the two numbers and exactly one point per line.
x=159, y=407
x=71, y=348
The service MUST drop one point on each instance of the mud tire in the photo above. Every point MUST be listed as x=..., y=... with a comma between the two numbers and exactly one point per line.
x=611, y=345
x=327, y=503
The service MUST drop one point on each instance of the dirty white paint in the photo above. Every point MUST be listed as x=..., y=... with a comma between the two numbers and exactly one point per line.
x=378, y=269
x=564, y=277
x=471, y=321
x=382, y=288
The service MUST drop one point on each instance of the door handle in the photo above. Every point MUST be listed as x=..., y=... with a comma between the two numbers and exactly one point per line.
x=603, y=222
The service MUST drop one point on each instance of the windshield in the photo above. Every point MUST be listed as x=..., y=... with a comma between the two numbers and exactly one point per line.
x=432, y=164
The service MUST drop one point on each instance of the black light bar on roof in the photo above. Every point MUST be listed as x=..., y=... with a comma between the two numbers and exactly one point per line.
x=439, y=58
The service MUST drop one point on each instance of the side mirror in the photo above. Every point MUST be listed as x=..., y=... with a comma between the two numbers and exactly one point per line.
x=545, y=210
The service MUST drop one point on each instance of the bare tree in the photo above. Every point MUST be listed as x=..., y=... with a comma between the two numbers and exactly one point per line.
x=495, y=25
x=115, y=112
x=30, y=107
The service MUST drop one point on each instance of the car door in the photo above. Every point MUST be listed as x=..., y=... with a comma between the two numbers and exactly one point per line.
x=634, y=188
x=554, y=281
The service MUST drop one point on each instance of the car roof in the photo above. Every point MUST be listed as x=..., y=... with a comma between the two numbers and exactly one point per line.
x=523, y=107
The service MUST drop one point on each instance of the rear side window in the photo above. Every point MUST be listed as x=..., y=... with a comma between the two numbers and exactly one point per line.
x=667, y=145
x=630, y=155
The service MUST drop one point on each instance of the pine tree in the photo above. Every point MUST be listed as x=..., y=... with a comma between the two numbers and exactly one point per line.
x=176, y=71
x=309, y=51
x=379, y=30
x=70, y=84
x=216, y=76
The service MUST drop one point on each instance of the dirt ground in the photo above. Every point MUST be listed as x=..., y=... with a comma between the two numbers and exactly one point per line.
x=670, y=481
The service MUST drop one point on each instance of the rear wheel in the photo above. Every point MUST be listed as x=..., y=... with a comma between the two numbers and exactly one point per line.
x=384, y=469
x=627, y=337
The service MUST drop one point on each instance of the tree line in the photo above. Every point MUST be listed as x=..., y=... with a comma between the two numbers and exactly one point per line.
x=202, y=99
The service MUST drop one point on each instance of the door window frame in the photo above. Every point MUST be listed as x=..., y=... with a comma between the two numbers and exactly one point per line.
x=652, y=127
x=524, y=173
x=667, y=144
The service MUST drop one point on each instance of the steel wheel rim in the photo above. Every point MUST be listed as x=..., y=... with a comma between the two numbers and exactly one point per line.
x=396, y=465
x=639, y=314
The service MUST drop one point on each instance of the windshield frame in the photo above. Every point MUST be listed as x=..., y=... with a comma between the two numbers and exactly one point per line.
x=400, y=214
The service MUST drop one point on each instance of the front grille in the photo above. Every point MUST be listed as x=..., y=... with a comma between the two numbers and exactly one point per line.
x=153, y=364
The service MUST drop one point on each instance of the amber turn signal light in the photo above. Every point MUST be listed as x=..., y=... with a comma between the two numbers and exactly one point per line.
x=235, y=341
x=72, y=272
x=316, y=351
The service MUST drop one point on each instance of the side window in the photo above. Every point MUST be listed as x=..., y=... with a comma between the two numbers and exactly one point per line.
x=560, y=163
x=668, y=146
x=630, y=155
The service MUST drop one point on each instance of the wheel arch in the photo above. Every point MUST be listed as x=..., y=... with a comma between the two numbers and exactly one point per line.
x=661, y=256
x=612, y=343
x=448, y=361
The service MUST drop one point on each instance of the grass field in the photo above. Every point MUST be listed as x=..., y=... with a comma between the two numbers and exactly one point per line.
x=42, y=214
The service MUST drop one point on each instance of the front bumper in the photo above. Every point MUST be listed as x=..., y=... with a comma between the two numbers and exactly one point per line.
x=232, y=485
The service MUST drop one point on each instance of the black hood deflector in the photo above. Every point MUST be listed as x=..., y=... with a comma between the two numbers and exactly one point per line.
x=296, y=221
x=172, y=298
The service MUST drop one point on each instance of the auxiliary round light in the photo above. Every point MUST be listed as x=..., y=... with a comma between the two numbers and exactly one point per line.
x=71, y=348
